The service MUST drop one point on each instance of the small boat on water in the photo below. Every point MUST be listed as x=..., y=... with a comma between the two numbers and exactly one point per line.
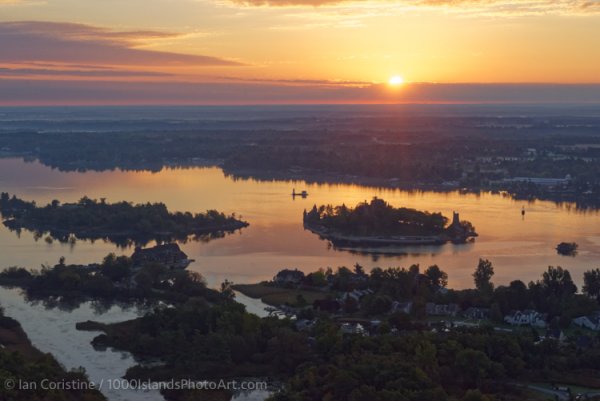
x=302, y=194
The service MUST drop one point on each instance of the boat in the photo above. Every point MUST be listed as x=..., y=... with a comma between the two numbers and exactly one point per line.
x=302, y=194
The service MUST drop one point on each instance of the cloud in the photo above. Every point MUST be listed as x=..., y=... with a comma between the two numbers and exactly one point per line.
x=496, y=7
x=94, y=72
x=53, y=42
x=52, y=92
x=314, y=82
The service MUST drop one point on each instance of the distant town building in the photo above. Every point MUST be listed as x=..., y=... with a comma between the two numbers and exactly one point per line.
x=549, y=182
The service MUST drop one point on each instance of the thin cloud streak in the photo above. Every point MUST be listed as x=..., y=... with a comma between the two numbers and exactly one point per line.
x=315, y=82
x=486, y=7
x=96, y=73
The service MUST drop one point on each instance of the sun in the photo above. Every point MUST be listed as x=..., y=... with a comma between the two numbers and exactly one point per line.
x=396, y=80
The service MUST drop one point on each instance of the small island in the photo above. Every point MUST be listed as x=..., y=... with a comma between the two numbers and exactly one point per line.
x=122, y=223
x=378, y=224
x=567, y=248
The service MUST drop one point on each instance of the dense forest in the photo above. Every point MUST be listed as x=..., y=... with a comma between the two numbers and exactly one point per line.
x=121, y=222
x=404, y=358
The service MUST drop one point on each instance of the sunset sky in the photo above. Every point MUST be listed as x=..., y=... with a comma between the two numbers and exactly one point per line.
x=297, y=51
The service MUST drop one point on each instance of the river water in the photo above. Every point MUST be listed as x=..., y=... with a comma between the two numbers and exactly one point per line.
x=519, y=247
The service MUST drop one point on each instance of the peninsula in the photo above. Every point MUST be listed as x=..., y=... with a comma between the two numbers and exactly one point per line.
x=378, y=224
x=120, y=223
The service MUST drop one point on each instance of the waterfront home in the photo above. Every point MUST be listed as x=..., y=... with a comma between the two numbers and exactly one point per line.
x=441, y=310
x=288, y=276
x=527, y=317
x=476, y=313
x=169, y=255
x=591, y=322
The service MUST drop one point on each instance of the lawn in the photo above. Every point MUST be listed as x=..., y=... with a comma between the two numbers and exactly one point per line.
x=276, y=296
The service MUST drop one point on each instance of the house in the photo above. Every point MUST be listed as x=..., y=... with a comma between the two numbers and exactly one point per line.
x=591, y=322
x=476, y=313
x=527, y=317
x=288, y=276
x=169, y=255
x=403, y=307
x=356, y=295
x=353, y=328
x=441, y=310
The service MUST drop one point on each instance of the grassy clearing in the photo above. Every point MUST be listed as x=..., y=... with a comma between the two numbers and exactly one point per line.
x=276, y=296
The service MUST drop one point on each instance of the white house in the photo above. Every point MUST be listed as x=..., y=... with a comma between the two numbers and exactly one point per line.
x=527, y=317
x=441, y=310
x=591, y=322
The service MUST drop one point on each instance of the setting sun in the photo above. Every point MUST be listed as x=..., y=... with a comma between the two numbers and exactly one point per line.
x=396, y=80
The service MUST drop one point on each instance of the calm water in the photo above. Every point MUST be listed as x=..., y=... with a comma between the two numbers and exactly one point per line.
x=53, y=330
x=519, y=248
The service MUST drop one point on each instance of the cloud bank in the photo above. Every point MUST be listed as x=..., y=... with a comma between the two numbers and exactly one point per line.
x=38, y=41
x=51, y=92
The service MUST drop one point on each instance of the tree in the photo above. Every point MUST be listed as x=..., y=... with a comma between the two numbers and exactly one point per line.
x=116, y=267
x=437, y=276
x=227, y=289
x=474, y=395
x=473, y=365
x=300, y=301
x=558, y=282
x=591, y=283
x=359, y=270
x=483, y=276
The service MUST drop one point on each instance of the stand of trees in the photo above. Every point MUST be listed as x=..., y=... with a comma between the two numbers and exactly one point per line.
x=121, y=222
x=377, y=218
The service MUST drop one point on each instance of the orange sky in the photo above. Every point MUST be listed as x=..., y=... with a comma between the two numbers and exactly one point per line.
x=298, y=43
